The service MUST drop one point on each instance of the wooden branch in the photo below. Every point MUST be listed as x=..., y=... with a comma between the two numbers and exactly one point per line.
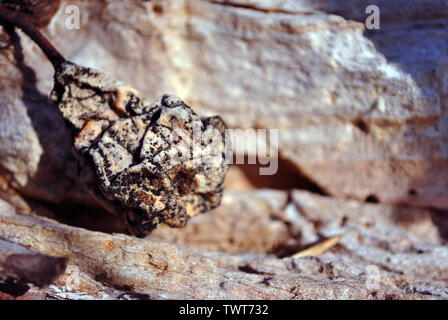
x=20, y=266
x=319, y=248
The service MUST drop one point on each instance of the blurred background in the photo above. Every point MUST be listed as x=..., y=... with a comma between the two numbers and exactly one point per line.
x=362, y=114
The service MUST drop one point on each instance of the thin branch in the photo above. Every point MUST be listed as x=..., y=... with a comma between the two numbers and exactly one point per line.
x=8, y=18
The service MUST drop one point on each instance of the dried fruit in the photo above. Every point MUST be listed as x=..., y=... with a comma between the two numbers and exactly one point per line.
x=129, y=151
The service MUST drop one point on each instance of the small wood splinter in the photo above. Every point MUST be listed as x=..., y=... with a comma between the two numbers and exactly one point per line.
x=319, y=248
x=124, y=145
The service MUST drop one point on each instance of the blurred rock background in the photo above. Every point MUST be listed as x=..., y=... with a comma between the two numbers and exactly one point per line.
x=363, y=138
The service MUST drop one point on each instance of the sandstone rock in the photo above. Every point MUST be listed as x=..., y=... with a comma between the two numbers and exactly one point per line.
x=35, y=151
x=245, y=222
x=360, y=114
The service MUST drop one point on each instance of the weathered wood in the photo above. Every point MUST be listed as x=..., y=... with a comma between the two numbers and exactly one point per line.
x=375, y=259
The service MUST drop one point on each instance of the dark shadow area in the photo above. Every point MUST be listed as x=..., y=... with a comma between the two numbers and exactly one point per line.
x=284, y=250
x=51, y=173
x=440, y=219
x=288, y=177
x=407, y=215
x=372, y=198
x=91, y=218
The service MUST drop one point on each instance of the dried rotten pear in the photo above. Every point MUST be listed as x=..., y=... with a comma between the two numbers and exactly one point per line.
x=147, y=163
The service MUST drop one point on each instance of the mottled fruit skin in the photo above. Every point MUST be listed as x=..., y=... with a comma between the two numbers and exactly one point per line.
x=124, y=147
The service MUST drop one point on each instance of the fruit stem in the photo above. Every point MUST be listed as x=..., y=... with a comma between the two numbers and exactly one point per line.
x=12, y=19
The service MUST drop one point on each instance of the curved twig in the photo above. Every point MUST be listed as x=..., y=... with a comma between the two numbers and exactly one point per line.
x=9, y=18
